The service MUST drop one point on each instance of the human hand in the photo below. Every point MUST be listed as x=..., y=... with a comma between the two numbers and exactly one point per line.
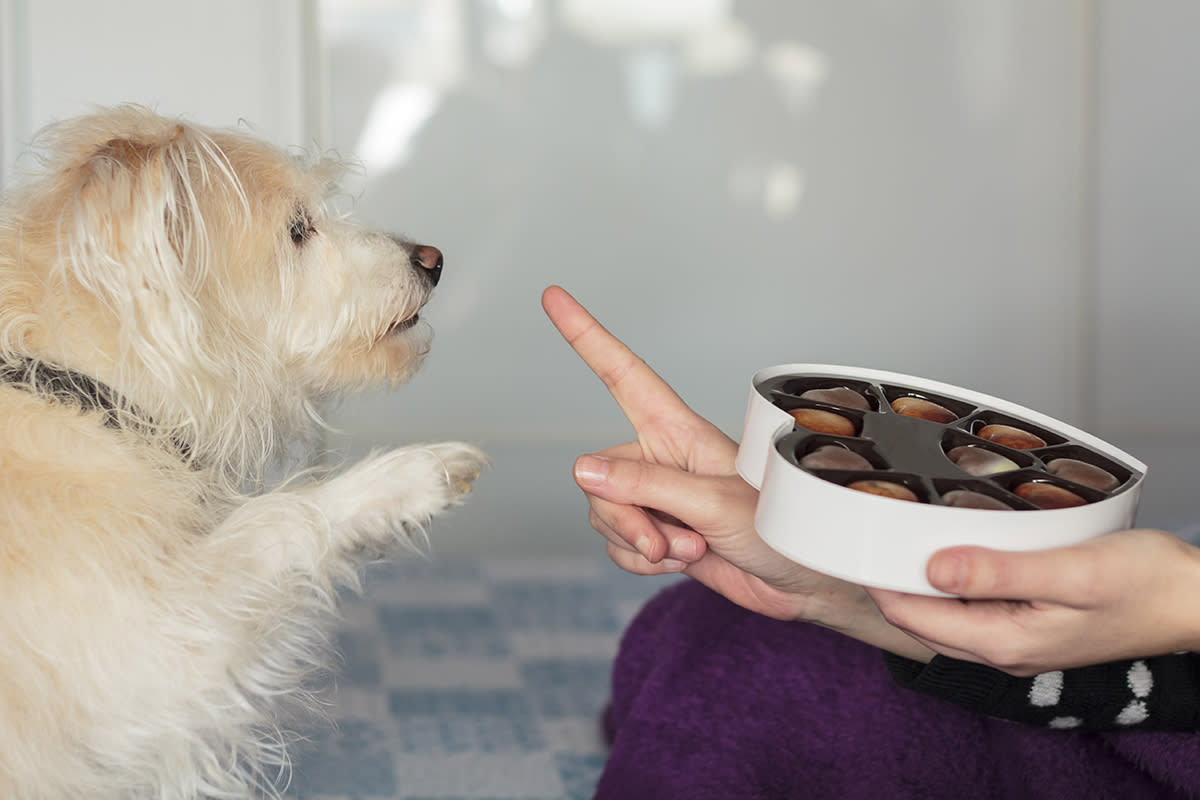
x=668, y=431
x=1124, y=595
x=702, y=522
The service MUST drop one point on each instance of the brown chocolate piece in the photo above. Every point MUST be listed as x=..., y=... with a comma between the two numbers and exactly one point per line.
x=1048, y=496
x=822, y=421
x=838, y=396
x=884, y=489
x=921, y=408
x=965, y=498
x=979, y=461
x=1008, y=436
x=832, y=456
x=1082, y=472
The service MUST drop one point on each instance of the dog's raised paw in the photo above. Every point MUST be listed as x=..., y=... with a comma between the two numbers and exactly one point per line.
x=463, y=464
x=402, y=488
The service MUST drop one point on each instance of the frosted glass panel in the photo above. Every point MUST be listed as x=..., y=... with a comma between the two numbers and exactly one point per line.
x=728, y=185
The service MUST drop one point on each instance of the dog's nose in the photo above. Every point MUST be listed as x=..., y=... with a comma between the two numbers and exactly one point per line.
x=429, y=259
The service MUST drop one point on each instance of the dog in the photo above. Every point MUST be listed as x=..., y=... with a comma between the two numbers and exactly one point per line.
x=177, y=303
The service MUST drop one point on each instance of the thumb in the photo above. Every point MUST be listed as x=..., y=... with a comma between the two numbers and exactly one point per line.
x=642, y=483
x=1058, y=575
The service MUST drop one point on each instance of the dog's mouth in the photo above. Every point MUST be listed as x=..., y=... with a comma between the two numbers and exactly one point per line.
x=401, y=325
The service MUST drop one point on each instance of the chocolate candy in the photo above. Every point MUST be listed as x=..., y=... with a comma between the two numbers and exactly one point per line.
x=1008, y=436
x=1082, y=472
x=921, y=408
x=965, y=498
x=823, y=421
x=884, y=489
x=838, y=396
x=832, y=456
x=1048, y=496
x=978, y=461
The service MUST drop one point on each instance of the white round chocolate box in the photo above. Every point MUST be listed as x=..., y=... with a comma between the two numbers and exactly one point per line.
x=864, y=474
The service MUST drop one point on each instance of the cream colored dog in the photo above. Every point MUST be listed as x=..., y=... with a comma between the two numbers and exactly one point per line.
x=173, y=303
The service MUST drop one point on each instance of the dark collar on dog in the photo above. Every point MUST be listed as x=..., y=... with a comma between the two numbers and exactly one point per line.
x=67, y=385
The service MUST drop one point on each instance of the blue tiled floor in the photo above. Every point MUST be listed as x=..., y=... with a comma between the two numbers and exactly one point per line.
x=472, y=680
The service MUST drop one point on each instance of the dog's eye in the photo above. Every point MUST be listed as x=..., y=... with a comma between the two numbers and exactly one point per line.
x=301, y=229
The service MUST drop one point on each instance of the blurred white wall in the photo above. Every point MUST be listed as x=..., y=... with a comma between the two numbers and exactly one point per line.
x=994, y=195
x=215, y=62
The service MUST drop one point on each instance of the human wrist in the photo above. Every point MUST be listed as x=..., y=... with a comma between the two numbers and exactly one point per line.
x=840, y=606
x=849, y=610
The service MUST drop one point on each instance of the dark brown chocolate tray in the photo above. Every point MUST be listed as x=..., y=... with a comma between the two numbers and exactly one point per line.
x=913, y=452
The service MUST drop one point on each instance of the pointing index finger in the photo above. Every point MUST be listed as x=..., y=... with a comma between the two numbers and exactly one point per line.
x=638, y=390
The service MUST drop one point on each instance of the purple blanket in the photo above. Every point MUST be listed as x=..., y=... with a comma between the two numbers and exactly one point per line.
x=711, y=701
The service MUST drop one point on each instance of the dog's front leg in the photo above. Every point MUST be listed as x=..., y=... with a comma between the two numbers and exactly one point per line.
x=397, y=491
x=375, y=506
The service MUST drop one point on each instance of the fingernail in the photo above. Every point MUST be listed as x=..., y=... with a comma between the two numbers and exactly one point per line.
x=673, y=565
x=591, y=470
x=947, y=572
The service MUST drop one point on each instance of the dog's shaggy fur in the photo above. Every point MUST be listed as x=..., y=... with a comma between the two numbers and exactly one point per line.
x=158, y=607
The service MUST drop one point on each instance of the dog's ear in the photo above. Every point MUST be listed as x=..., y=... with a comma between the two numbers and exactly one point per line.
x=137, y=195
x=135, y=233
x=137, y=217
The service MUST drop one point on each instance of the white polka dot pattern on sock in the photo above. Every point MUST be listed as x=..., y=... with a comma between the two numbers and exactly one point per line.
x=1140, y=681
x=1046, y=689
x=1133, y=713
x=1064, y=723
